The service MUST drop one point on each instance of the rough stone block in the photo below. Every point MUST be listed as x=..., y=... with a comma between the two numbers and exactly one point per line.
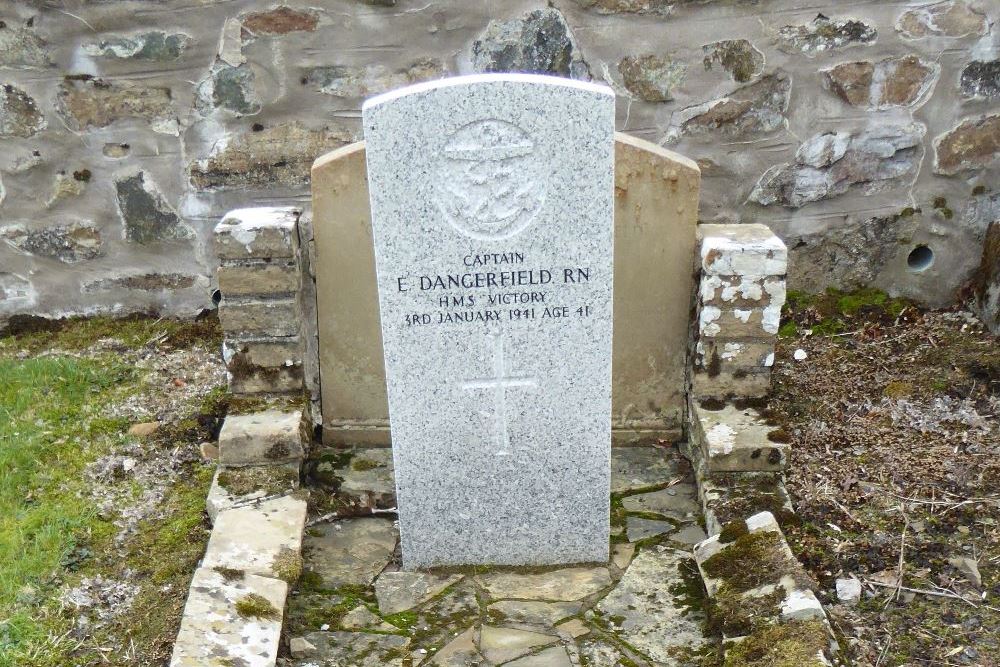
x=230, y=619
x=264, y=538
x=257, y=366
x=246, y=279
x=742, y=291
x=278, y=317
x=236, y=487
x=720, y=354
x=733, y=250
x=257, y=233
x=714, y=322
x=737, y=440
x=261, y=438
x=731, y=384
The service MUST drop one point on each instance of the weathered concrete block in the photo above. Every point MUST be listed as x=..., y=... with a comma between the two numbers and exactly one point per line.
x=261, y=438
x=730, y=384
x=236, y=487
x=742, y=291
x=246, y=279
x=737, y=440
x=256, y=366
x=761, y=323
x=272, y=317
x=733, y=250
x=717, y=355
x=231, y=618
x=257, y=233
x=263, y=538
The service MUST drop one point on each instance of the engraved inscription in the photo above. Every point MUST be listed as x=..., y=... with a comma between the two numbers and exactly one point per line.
x=499, y=382
x=489, y=185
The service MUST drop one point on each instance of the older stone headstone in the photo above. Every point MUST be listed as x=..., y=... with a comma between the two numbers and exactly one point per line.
x=492, y=204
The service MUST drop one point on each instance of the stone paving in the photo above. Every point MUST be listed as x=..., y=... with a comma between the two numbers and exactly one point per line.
x=354, y=607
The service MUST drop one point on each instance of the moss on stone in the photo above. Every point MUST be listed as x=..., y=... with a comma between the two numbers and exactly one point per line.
x=361, y=465
x=229, y=573
x=739, y=615
x=792, y=644
x=253, y=605
x=732, y=531
x=711, y=404
x=287, y=565
x=270, y=480
x=751, y=560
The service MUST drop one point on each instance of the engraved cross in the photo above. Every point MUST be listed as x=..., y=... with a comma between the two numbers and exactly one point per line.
x=499, y=382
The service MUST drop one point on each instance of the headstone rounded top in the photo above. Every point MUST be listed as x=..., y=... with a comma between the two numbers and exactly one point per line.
x=471, y=79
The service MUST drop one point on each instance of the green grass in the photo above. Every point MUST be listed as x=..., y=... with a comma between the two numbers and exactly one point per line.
x=44, y=526
x=52, y=534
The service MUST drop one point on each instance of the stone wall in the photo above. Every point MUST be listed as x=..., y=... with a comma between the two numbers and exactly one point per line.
x=867, y=136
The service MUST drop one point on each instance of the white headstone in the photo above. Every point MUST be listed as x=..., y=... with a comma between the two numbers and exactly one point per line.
x=492, y=205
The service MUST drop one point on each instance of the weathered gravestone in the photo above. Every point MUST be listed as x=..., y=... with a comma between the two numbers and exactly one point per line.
x=492, y=204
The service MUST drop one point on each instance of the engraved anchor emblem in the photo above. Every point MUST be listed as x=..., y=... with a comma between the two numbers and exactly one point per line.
x=499, y=382
x=490, y=186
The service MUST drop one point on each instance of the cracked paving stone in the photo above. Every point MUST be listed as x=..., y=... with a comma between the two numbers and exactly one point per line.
x=361, y=617
x=598, y=653
x=438, y=618
x=531, y=613
x=350, y=552
x=570, y=583
x=677, y=502
x=691, y=534
x=640, y=529
x=460, y=651
x=500, y=645
x=621, y=555
x=357, y=649
x=647, y=613
x=634, y=468
x=550, y=657
x=399, y=591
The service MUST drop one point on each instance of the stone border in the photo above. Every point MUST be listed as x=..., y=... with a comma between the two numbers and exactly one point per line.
x=261, y=287
x=236, y=601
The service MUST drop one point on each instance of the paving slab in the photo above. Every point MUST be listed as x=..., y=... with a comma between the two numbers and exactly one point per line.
x=214, y=632
x=550, y=657
x=570, y=583
x=638, y=528
x=634, y=468
x=460, y=651
x=677, y=502
x=501, y=645
x=398, y=591
x=350, y=649
x=350, y=552
x=531, y=612
x=264, y=538
x=647, y=608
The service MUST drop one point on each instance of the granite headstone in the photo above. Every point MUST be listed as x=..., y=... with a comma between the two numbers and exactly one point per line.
x=492, y=205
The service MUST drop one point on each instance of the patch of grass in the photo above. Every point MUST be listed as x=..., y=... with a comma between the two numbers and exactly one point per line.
x=831, y=312
x=44, y=448
x=53, y=533
x=135, y=331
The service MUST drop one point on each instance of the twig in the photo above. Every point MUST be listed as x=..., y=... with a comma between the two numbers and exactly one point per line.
x=924, y=591
x=902, y=550
x=334, y=516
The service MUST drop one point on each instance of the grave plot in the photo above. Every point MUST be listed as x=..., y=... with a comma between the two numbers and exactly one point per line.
x=354, y=605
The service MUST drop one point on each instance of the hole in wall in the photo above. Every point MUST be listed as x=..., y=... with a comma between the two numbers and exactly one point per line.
x=216, y=296
x=920, y=259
